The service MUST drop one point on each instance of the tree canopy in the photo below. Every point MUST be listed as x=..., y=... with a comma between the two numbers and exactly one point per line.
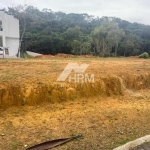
x=49, y=32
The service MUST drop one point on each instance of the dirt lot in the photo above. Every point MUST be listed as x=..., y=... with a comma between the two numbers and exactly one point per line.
x=34, y=107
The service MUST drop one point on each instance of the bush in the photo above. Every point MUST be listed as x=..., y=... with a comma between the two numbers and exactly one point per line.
x=144, y=55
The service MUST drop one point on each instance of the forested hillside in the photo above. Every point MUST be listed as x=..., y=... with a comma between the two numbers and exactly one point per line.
x=49, y=32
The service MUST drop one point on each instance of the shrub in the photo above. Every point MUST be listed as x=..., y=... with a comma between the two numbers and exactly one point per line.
x=144, y=55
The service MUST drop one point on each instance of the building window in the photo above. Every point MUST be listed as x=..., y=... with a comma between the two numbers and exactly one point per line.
x=1, y=27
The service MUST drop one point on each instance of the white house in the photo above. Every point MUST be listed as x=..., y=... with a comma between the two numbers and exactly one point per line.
x=9, y=33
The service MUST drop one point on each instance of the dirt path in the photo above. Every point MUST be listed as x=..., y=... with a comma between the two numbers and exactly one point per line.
x=104, y=123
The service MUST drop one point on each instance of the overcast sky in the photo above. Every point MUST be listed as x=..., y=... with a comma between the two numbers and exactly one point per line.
x=130, y=10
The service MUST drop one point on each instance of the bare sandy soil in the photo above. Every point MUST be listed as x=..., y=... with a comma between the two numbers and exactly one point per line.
x=35, y=108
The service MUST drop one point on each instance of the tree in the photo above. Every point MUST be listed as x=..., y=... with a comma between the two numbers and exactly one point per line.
x=57, y=32
x=116, y=34
x=85, y=48
x=73, y=33
x=20, y=13
x=99, y=35
x=126, y=48
x=76, y=47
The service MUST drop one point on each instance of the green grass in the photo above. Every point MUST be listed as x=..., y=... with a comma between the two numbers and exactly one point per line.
x=15, y=144
x=85, y=59
x=27, y=56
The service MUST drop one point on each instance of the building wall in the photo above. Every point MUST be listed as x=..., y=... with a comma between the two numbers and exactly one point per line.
x=10, y=33
x=11, y=26
x=12, y=45
x=2, y=33
x=1, y=42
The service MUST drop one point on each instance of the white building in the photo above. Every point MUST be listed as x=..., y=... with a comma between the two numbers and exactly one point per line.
x=9, y=33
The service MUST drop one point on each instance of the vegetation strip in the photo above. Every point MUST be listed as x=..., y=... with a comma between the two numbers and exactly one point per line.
x=134, y=143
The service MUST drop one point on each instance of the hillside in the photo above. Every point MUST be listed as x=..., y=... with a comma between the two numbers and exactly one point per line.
x=49, y=32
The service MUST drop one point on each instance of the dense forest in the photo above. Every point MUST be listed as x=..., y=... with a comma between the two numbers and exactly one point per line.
x=49, y=32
